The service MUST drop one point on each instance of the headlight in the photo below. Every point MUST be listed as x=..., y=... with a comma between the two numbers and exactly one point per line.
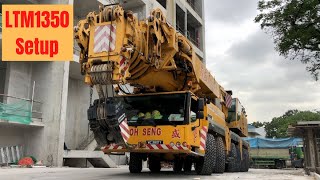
x=171, y=144
x=178, y=144
x=184, y=144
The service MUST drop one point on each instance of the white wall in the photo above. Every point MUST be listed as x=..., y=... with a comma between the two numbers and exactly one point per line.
x=19, y=78
x=10, y=136
x=78, y=103
x=49, y=81
x=27, y=137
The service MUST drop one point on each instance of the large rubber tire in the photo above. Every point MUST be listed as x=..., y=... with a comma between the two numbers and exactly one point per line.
x=220, y=156
x=231, y=165
x=244, y=163
x=247, y=164
x=154, y=164
x=135, y=164
x=187, y=165
x=177, y=165
x=279, y=164
x=238, y=160
x=206, y=163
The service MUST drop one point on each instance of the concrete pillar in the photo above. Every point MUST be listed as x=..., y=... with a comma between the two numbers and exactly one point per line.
x=63, y=113
x=316, y=149
x=49, y=90
x=311, y=149
x=186, y=23
x=171, y=12
x=306, y=149
x=203, y=40
x=64, y=103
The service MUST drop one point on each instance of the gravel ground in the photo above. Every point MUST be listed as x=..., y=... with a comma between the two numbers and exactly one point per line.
x=123, y=173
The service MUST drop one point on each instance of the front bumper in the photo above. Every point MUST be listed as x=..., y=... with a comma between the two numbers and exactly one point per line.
x=147, y=148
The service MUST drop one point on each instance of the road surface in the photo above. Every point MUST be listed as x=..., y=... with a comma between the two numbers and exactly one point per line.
x=123, y=173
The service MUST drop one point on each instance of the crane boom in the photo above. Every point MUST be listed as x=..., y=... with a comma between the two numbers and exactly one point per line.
x=150, y=55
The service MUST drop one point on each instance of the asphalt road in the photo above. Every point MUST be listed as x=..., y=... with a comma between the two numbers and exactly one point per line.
x=123, y=173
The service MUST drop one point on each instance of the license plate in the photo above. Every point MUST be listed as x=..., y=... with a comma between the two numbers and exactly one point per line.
x=155, y=142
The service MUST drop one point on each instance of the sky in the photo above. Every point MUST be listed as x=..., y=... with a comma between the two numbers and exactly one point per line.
x=242, y=58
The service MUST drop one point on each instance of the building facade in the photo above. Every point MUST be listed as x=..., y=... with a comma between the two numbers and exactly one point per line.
x=56, y=91
x=254, y=132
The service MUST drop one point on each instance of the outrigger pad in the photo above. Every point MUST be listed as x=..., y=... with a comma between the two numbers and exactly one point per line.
x=112, y=121
x=92, y=113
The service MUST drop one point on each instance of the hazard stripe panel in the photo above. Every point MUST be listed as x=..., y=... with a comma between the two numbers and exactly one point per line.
x=124, y=65
x=148, y=146
x=104, y=38
x=203, y=137
x=124, y=128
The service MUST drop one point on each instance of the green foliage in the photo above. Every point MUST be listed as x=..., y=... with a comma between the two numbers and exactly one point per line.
x=279, y=125
x=295, y=27
x=257, y=124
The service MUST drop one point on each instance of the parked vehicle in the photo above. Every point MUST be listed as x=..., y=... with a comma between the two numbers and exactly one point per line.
x=276, y=153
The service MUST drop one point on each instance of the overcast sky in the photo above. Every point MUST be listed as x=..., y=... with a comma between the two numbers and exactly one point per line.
x=242, y=58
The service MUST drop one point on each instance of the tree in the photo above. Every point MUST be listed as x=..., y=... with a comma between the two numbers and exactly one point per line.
x=257, y=124
x=295, y=27
x=279, y=125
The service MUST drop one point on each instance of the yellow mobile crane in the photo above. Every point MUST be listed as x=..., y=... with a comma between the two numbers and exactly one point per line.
x=177, y=111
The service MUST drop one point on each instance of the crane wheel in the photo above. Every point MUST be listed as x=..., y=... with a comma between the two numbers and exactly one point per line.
x=243, y=161
x=204, y=164
x=231, y=166
x=187, y=165
x=154, y=164
x=220, y=156
x=177, y=165
x=135, y=164
x=243, y=167
x=247, y=160
x=238, y=160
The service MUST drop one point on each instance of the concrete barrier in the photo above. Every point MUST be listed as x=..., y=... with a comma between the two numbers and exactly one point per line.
x=96, y=158
x=316, y=176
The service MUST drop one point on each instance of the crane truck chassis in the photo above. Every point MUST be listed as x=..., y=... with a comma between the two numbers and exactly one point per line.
x=177, y=111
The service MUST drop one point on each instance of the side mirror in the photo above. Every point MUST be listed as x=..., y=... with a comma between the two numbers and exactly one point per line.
x=201, y=102
x=200, y=115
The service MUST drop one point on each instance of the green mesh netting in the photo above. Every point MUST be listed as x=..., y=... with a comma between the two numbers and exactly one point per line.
x=19, y=111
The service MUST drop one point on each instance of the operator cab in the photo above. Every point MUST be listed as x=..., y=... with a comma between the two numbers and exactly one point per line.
x=236, y=111
x=237, y=118
x=178, y=108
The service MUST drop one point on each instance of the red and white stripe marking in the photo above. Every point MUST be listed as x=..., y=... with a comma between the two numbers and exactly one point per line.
x=124, y=65
x=113, y=147
x=228, y=100
x=124, y=128
x=104, y=38
x=149, y=147
x=164, y=146
x=203, y=137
